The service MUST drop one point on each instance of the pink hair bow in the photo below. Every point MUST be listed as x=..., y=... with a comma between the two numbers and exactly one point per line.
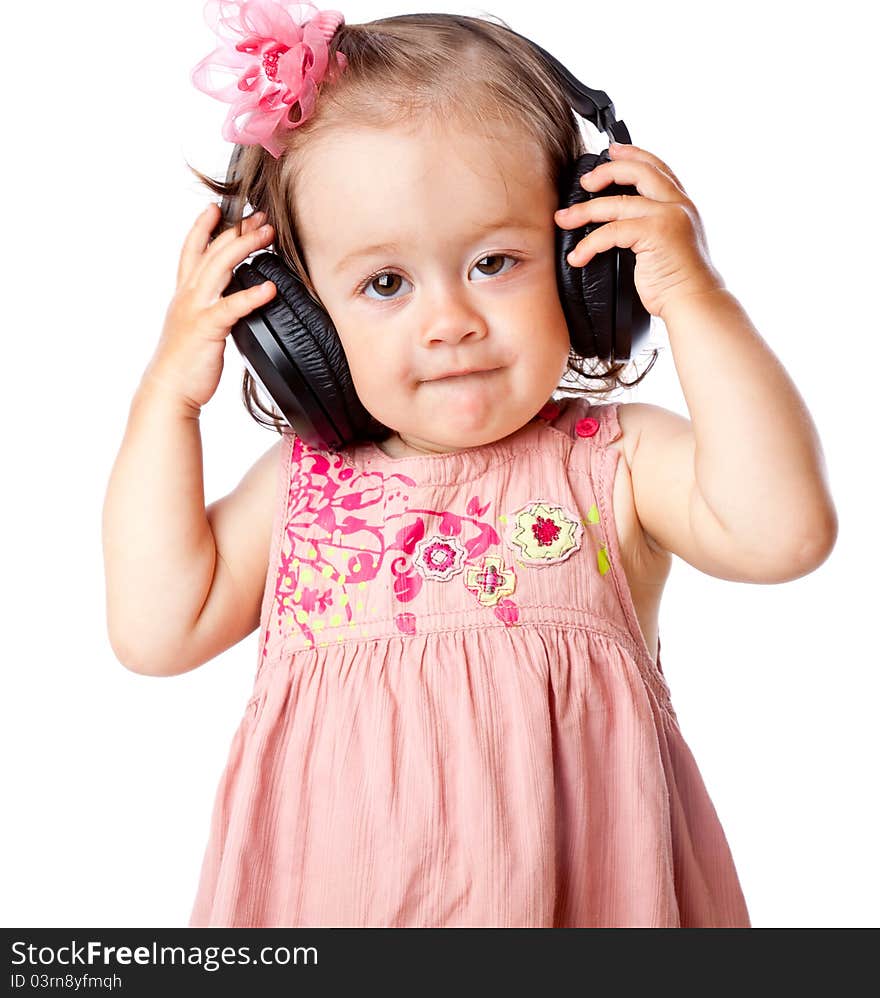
x=277, y=53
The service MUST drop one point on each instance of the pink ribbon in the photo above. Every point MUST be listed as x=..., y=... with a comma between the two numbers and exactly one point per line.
x=277, y=54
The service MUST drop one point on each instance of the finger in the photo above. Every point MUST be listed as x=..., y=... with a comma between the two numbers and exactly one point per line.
x=215, y=272
x=623, y=233
x=242, y=303
x=199, y=240
x=606, y=209
x=195, y=241
x=627, y=151
x=646, y=179
x=228, y=235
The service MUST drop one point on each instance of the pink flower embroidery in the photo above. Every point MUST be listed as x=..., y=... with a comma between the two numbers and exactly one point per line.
x=490, y=581
x=507, y=612
x=312, y=599
x=406, y=623
x=332, y=537
x=544, y=533
x=343, y=529
x=440, y=558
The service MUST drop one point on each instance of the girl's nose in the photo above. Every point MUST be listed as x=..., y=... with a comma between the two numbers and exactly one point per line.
x=451, y=317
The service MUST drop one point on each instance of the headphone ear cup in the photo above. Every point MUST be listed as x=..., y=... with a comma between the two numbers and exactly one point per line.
x=299, y=359
x=588, y=293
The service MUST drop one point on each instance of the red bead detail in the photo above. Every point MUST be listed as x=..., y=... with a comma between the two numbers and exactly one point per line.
x=587, y=427
x=545, y=531
x=270, y=61
x=549, y=411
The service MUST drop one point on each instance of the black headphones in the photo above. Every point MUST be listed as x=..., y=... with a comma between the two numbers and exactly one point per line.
x=293, y=351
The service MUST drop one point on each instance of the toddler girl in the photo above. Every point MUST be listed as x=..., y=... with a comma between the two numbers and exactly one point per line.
x=459, y=715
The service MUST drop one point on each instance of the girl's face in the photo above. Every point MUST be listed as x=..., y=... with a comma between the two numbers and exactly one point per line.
x=433, y=252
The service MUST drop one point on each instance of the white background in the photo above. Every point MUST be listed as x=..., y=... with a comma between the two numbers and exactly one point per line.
x=766, y=112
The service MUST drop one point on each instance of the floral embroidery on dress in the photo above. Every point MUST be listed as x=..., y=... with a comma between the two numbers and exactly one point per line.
x=507, y=612
x=440, y=558
x=544, y=533
x=339, y=536
x=406, y=623
x=490, y=581
x=332, y=538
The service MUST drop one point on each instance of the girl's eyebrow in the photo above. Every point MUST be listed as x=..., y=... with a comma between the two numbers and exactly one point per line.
x=521, y=224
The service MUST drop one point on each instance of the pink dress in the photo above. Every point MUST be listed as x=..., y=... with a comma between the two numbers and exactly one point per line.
x=455, y=719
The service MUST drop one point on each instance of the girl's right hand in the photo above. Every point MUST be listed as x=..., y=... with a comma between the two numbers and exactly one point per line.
x=189, y=358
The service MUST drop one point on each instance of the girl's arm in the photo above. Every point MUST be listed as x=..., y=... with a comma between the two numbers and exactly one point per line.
x=740, y=491
x=183, y=583
x=158, y=548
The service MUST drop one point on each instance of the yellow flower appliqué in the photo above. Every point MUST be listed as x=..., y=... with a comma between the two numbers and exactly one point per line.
x=544, y=533
x=490, y=581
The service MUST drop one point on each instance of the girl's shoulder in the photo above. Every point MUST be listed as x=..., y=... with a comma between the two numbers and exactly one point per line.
x=622, y=423
x=661, y=471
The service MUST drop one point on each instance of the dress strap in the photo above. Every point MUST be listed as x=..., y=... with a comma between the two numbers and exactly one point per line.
x=593, y=427
x=578, y=418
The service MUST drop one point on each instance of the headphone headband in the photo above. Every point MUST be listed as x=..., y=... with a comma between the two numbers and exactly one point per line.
x=594, y=105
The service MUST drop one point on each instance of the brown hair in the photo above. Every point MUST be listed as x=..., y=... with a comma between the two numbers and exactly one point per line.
x=452, y=67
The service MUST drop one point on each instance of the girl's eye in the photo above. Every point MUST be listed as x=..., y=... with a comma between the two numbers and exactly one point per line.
x=385, y=280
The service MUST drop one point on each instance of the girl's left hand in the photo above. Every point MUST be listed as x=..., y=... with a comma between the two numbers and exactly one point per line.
x=662, y=227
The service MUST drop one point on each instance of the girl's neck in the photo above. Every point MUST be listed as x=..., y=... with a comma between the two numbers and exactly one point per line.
x=395, y=446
